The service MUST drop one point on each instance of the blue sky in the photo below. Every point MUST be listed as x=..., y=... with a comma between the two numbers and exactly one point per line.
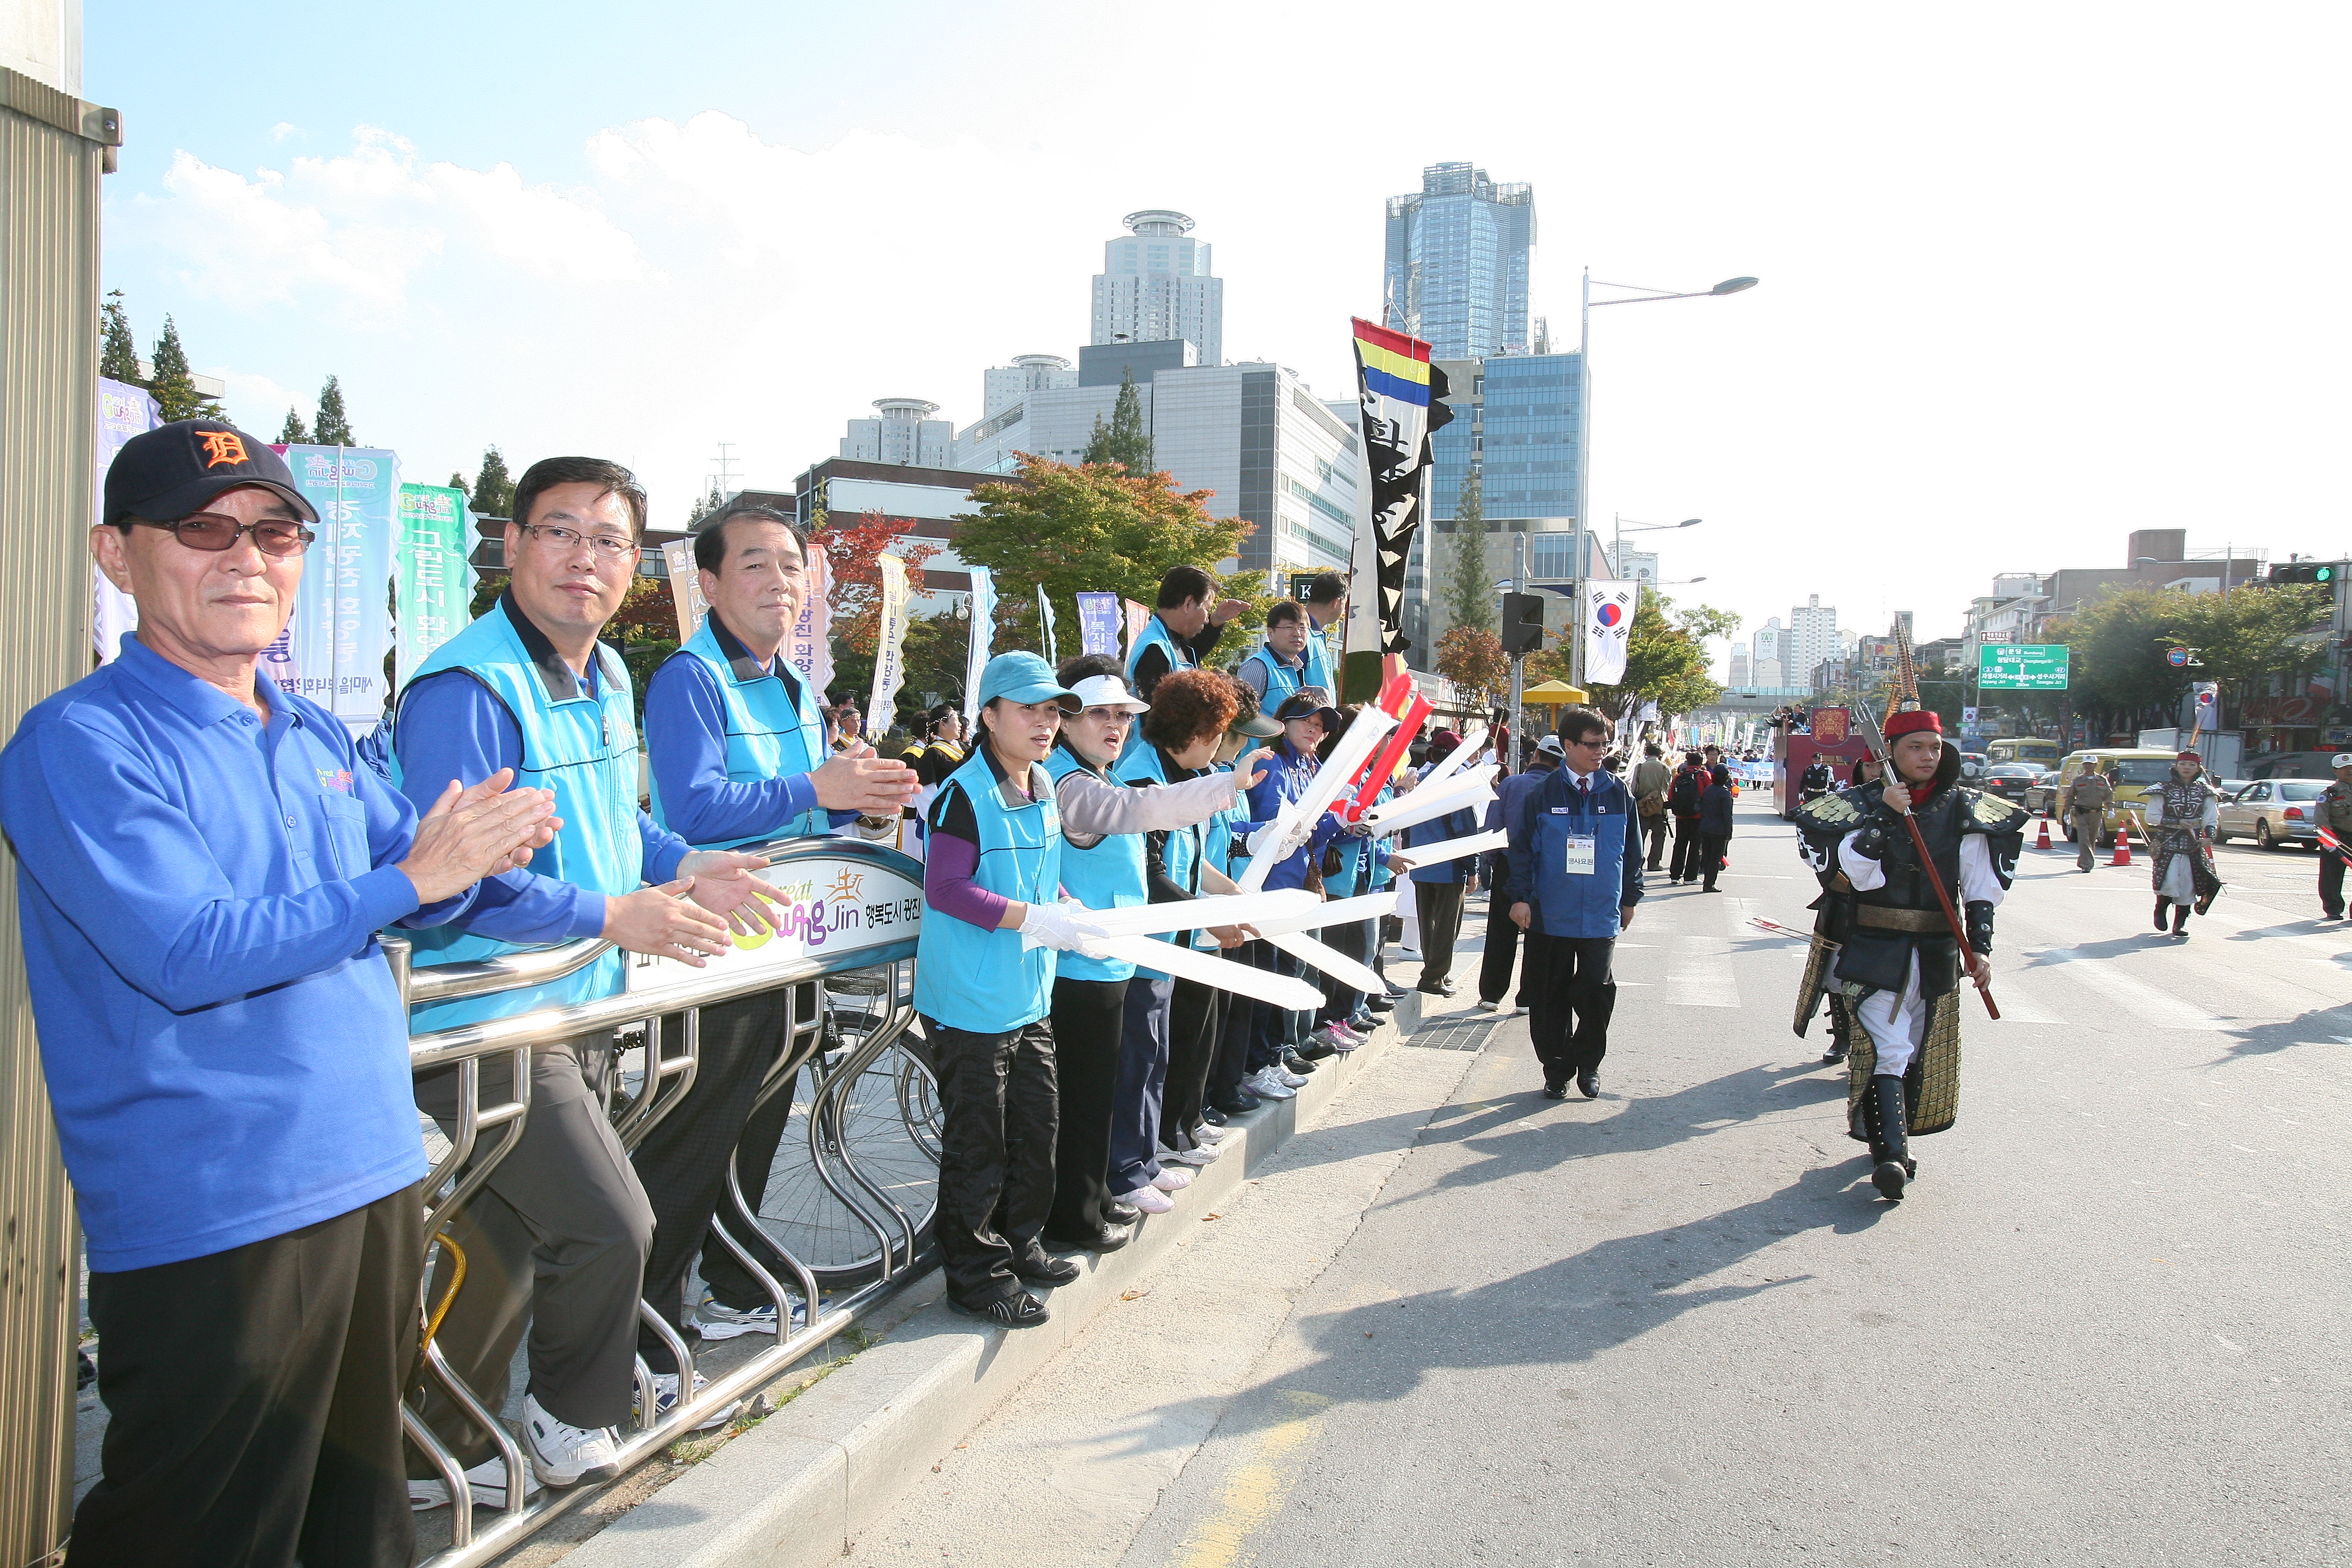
x=2032, y=277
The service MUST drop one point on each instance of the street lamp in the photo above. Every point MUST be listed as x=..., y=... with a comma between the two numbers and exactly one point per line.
x=1632, y=294
x=1617, y=539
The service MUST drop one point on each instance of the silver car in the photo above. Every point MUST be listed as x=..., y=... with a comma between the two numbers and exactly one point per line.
x=2273, y=812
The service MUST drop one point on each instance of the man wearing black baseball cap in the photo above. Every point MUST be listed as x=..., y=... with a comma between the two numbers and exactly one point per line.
x=205, y=863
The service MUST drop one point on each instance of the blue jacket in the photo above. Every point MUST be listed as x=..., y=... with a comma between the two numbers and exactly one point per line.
x=1715, y=812
x=1504, y=809
x=1575, y=905
x=1284, y=781
x=1459, y=823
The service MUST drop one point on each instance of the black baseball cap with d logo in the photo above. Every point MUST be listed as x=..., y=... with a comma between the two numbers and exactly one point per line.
x=164, y=474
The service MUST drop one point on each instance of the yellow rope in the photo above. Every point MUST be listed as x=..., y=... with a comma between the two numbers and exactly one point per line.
x=456, y=1277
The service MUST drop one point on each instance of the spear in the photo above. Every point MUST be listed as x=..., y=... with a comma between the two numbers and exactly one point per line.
x=1981, y=973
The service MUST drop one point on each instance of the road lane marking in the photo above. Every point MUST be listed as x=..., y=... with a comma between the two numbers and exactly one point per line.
x=1257, y=1489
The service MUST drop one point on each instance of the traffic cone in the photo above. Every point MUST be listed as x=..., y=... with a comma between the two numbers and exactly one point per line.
x=2123, y=846
x=2042, y=841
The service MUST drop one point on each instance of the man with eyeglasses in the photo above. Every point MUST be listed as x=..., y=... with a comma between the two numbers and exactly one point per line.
x=738, y=752
x=559, y=1231
x=204, y=863
x=1576, y=869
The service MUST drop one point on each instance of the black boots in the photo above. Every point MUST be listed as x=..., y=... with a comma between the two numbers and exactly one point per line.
x=1885, y=1118
x=2180, y=919
x=1838, y=1044
x=2159, y=913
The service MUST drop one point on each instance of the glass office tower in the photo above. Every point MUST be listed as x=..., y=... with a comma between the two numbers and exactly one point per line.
x=1458, y=253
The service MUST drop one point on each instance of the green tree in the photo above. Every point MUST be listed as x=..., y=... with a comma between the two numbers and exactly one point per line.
x=173, y=387
x=294, y=430
x=705, y=504
x=118, y=352
x=1124, y=440
x=1666, y=657
x=333, y=429
x=1469, y=594
x=493, y=494
x=2118, y=672
x=458, y=483
x=1472, y=658
x=1095, y=528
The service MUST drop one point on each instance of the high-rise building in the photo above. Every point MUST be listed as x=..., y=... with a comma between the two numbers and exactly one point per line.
x=1006, y=384
x=1738, y=666
x=1156, y=284
x=1770, y=647
x=1812, y=638
x=905, y=433
x=1458, y=254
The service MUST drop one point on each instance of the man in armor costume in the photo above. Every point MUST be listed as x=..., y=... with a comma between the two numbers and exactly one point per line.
x=2186, y=811
x=1898, y=965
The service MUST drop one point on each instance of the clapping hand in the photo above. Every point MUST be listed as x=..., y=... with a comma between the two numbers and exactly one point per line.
x=723, y=884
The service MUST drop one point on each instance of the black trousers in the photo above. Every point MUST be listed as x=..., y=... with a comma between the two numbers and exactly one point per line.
x=1236, y=1033
x=1278, y=1028
x=682, y=1162
x=557, y=1238
x=1571, y=995
x=1438, y=906
x=1086, y=1016
x=1195, y=1023
x=1685, y=867
x=1502, y=949
x=2331, y=883
x=997, y=1101
x=1655, y=829
x=254, y=1400
x=1712, y=847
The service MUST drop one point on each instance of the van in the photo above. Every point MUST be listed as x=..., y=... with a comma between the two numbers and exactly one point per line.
x=2041, y=754
x=2137, y=770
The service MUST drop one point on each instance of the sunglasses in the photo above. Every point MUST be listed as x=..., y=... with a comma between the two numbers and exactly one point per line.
x=214, y=531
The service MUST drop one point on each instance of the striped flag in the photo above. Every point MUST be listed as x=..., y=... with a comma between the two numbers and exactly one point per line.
x=1403, y=398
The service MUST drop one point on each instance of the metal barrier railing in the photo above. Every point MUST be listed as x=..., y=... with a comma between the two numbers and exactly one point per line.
x=872, y=1102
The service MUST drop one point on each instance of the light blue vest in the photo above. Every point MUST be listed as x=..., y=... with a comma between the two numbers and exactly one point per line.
x=1155, y=634
x=1108, y=876
x=583, y=747
x=1188, y=848
x=981, y=980
x=1318, y=657
x=768, y=735
x=1281, y=680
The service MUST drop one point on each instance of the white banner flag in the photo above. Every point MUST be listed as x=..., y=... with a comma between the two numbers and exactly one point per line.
x=983, y=637
x=889, y=649
x=1608, y=625
x=809, y=644
x=685, y=587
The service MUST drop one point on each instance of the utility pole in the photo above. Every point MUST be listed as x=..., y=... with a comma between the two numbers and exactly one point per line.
x=1518, y=661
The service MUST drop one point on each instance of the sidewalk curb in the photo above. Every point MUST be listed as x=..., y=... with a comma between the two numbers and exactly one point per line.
x=797, y=1489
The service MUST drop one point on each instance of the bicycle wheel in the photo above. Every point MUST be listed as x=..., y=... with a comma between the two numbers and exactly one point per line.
x=808, y=1218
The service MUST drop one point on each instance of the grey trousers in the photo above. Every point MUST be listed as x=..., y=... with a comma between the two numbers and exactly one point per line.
x=2088, y=824
x=559, y=1235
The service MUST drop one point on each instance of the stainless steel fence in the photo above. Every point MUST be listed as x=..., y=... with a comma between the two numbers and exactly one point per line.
x=848, y=1206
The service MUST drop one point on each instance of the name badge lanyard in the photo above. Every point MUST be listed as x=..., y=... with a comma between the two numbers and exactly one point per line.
x=1580, y=848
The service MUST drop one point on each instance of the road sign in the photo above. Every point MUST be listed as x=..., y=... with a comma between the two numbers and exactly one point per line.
x=2176, y=657
x=2022, y=667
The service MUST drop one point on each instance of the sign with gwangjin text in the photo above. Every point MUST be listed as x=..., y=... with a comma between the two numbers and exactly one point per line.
x=844, y=904
x=2022, y=667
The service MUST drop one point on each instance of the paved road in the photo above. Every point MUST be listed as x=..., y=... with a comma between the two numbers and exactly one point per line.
x=1458, y=1322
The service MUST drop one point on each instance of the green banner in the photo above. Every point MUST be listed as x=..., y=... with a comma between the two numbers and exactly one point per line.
x=432, y=582
x=2022, y=667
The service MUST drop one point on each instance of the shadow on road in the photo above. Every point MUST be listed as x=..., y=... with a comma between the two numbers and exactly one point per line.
x=2321, y=1026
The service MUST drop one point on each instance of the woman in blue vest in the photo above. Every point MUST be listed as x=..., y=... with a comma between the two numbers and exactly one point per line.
x=1306, y=718
x=1111, y=1022
x=1576, y=865
x=738, y=753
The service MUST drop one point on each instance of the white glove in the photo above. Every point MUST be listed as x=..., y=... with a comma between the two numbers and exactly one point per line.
x=1063, y=927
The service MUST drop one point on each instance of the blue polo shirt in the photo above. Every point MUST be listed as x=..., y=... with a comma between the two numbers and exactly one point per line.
x=200, y=892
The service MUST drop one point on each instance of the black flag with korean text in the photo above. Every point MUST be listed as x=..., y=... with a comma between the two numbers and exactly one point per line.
x=1403, y=398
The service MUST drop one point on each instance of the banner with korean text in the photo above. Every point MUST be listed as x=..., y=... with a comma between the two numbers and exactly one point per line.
x=983, y=640
x=1099, y=623
x=808, y=647
x=332, y=650
x=123, y=411
x=889, y=648
x=432, y=581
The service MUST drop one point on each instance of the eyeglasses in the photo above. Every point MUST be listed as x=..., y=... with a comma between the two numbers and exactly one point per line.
x=611, y=547
x=214, y=531
x=1596, y=741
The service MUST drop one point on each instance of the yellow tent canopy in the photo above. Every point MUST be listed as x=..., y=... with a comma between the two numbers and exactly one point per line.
x=1553, y=692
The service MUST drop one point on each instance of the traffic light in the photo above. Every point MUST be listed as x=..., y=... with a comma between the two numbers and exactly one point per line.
x=2327, y=572
x=1523, y=627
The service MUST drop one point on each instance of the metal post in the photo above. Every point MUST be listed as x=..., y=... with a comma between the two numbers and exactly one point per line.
x=1518, y=663
x=53, y=150
x=1583, y=471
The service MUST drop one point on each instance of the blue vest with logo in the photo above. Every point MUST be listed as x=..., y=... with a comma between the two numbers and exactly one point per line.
x=769, y=735
x=582, y=746
x=1282, y=679
x=981, y=980
x=1579, y=905
x=1108, y=876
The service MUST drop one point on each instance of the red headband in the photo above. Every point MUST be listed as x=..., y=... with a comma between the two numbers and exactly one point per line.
x=1916, y=720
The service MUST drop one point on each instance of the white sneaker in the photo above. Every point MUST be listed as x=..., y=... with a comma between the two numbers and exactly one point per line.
x=714, y=1320
x=1411, y=952
x=1203, y=1154
x=1172, y=1179
x=1150, y=1200
x=486, y=1482
x=666, y=1401
x=1485, y=1006
x=1293, y=1079
x=1209, y=1133
x=1266, y=1085
x=563, y=1455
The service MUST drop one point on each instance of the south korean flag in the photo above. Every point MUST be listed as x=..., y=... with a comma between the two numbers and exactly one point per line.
x=1608, y=629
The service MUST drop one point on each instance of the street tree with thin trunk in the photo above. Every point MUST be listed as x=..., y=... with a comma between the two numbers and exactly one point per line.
x=1469, y=591
x=118, y=352
x=331, y=428
x=1124, y=440
x=175, y=386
